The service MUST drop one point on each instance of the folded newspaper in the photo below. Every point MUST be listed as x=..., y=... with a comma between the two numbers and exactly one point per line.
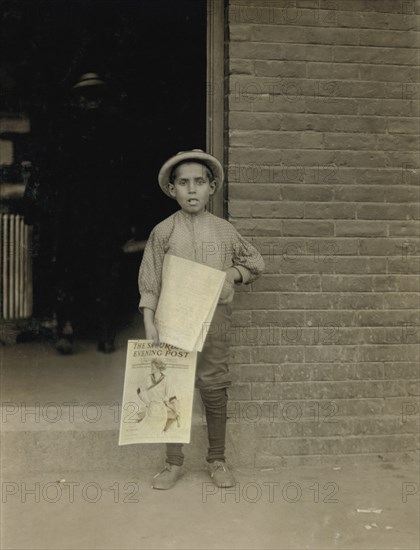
x=158, y=394
x=189, y=295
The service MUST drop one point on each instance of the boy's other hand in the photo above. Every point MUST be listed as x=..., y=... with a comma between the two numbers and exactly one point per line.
x=228, y=290
x=233, y=275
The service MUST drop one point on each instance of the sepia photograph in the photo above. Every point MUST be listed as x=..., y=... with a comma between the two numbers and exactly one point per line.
x=209, y=274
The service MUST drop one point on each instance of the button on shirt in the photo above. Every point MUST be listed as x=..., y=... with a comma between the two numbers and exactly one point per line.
x=202, y=238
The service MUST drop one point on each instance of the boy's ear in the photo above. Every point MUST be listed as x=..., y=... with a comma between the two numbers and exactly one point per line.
x=171, y=189
x=212, y=187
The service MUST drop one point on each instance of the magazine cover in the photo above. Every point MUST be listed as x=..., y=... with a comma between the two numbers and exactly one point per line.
x=158, y=394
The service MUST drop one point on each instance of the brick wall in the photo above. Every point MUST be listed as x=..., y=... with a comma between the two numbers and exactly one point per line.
x=321, y=154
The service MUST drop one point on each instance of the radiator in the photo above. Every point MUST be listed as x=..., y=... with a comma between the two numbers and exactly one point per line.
x=15, y=268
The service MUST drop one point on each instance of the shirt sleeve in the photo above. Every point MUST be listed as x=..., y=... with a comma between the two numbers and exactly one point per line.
x=170, y=392
x=150, y=273
x=247, y=260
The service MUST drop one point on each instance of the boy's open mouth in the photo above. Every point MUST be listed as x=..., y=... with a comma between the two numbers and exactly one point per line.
x=192, y=201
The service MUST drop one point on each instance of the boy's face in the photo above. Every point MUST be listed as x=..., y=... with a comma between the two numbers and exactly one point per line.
x=192, y=187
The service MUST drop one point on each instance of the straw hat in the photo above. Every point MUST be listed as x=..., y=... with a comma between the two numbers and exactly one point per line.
x=89, y=79
x=189, y=156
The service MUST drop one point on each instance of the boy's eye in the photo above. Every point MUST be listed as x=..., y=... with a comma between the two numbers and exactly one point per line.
x=200, y=181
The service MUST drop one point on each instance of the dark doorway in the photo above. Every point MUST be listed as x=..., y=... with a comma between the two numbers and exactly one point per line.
x=152, y=54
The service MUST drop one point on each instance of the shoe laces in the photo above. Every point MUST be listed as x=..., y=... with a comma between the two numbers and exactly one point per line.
x=219, y=466
x=166, y=468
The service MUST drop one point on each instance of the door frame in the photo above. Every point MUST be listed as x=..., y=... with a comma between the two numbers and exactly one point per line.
x=215, y=96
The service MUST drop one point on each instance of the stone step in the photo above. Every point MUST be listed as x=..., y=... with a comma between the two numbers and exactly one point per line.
x=32, y=442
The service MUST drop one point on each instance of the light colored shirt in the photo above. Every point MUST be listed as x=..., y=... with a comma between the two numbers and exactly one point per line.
x=203, y=238
x=160, y=391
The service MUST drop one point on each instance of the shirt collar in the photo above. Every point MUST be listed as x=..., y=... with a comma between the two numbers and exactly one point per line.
x=193, y=217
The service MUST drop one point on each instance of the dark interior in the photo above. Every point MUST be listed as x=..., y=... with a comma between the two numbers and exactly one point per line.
x=152, y=56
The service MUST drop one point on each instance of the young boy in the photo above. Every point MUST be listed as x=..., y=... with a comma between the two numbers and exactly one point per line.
x=191, y=177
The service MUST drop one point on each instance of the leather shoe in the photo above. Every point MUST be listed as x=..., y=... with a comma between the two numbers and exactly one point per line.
x=167, y=478
x=220, y=474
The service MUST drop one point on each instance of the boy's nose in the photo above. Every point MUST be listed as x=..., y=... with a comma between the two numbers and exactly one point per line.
x=191, y=187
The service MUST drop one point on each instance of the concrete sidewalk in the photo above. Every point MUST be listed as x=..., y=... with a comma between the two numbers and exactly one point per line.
x=68, y=485
x=288, y=508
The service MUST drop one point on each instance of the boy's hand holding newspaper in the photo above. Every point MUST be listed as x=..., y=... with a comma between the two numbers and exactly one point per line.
x=150, y=327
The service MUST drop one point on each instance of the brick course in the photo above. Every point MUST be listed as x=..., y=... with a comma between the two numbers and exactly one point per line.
x=322, y=171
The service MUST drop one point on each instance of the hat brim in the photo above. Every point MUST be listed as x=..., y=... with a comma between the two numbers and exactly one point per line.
x=211, y=162
x=90, y=82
